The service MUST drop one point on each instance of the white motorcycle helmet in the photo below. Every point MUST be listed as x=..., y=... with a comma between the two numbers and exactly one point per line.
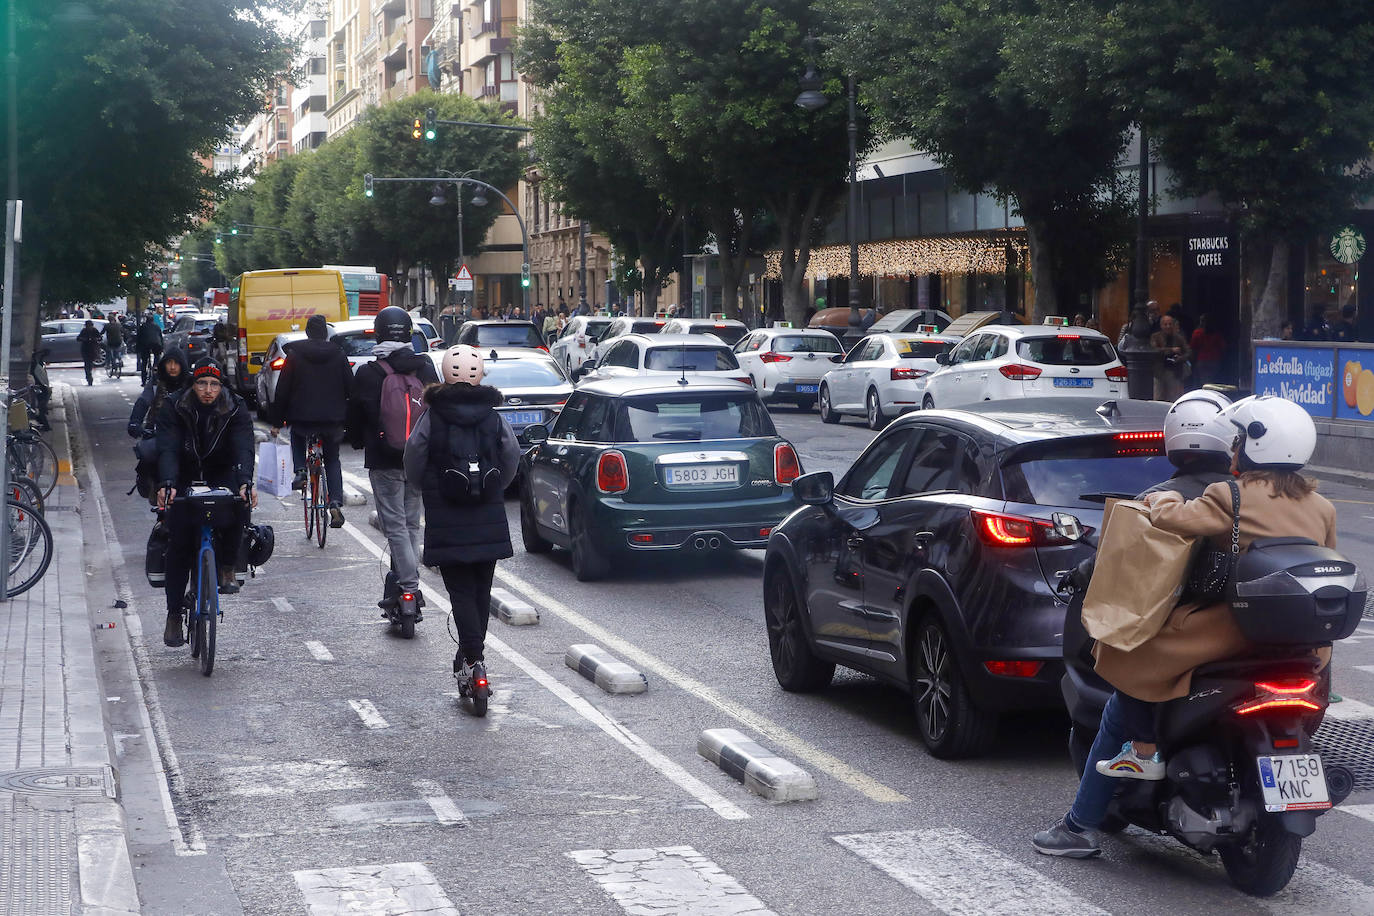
x=1275, y=433
x=1196, y=427
x=463, y=364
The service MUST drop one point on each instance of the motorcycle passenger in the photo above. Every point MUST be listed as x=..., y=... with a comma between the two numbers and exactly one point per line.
x=1273, y=439
x=312, y=397
x=398, y=504
x=466, y=535
x=204, y=434
x=90, y=338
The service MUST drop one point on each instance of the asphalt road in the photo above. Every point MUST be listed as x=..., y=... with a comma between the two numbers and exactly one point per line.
x=327, y=766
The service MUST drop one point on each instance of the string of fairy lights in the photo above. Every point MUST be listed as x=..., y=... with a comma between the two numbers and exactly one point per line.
x=951, y=254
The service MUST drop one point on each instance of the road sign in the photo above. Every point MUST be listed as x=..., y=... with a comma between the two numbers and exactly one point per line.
x=463, y=280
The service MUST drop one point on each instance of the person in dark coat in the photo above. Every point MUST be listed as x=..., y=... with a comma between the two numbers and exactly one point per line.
x=148, y=342
x=42, y=390
x=204, y=434
x=464, y=539
x=90, y=339
x=170, y=376
x=312, y=398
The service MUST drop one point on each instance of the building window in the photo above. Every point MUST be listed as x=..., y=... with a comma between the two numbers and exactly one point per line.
x=316, y=67
x=317, y=27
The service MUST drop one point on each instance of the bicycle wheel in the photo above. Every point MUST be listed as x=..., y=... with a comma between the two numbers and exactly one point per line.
x=207, y=610
x=25, y=491
x=35, y=459
x=321, y=488
x=30, y=547
x=307, y=505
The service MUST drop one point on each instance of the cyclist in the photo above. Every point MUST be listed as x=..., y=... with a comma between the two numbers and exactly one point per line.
x=465, y=536
x=89, y=338
x=148, y=340
x=114, y=340
x=398, y=504
x=312, y=397
x=204, y=434
x=169, y=376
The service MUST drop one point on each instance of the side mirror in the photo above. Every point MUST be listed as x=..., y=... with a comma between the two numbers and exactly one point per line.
x=942, y=359
x=580, y=372
x=1067, y=526
x=815, y=489
x=536, y=433
x=255, y=359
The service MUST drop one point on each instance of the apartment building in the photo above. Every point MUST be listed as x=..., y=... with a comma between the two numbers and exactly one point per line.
x=310, y=99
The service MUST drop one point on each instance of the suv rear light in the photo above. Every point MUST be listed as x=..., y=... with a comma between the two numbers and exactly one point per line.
x=611, y=474
x=1296, y=695
x=1149, y=436
x=998, y=529
x=1019, y=372
x=1015, y=668
x=281, y=361
x=899, y=373
x=1117, y=374
x=774, y=357
x=786, y=466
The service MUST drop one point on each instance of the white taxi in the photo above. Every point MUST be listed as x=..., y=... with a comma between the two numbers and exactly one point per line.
x=727, y=330
x=619, y=327
x=998, y=362
x=786, y=363
x=665, y=354
x=883, y=376
x=575, y=342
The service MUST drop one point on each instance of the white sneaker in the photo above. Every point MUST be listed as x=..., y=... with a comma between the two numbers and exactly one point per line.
x=1130, y=765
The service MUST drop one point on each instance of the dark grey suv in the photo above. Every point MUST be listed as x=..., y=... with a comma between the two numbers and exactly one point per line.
x=932, y=564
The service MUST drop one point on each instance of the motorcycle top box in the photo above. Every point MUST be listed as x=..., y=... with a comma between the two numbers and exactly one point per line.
x=1292, y=591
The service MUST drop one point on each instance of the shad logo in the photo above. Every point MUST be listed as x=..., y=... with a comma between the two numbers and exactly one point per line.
x=1319, y=570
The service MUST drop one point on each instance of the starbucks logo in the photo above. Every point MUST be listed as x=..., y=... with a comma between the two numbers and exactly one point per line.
x=1347, y=245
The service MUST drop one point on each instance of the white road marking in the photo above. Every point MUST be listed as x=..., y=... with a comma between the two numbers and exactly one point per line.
x=636, y=745
x=283, y=605
x=1365, y=812
x=374, y=890
x=1367, y=669
x=369, y=714
x=1350, y=709
x=287, y=778
x=668, y=880
x=962, y=876
x=318, y=651
x=152, y=721
x=448, y=813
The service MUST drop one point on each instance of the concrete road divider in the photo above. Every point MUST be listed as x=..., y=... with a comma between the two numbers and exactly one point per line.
x=373, y=520
x=611, y=675
x=763, y=772
x=512, y=610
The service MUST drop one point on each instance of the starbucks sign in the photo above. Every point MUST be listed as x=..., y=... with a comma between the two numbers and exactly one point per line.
x=1347, y=245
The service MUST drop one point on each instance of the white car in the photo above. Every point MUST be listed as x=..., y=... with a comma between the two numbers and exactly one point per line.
x=665, y=354
x=883, y=376
x=619, y=327
x=574, y=344
x=357, y=337
x=727, y=329
x=426, y=327
x=998, y=362
x=786, y=364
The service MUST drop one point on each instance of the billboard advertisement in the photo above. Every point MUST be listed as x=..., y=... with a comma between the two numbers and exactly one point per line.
x=1304, y=375
x=1355, y=384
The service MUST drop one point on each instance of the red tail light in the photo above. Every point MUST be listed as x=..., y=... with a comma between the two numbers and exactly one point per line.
x=611, y=474
x=743, y=378
x=1067, y=336
x=900, y=373
x=1019, y=372
x=545, y=349
x=1152, y=436
x=481, y=682
x=1297, y=695
x=998, y=529
x=1117, y=374
x=1014, y=668
x=277, y=363
x=642, y=538
x=774, y=357
x=408, y=596
x=786, y=466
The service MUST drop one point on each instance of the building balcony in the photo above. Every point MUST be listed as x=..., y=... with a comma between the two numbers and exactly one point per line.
x=397, y=91
x=485, y=28
x=369, y=41
x=394, y=45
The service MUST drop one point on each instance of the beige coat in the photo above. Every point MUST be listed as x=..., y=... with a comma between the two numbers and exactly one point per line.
x=1195, y=634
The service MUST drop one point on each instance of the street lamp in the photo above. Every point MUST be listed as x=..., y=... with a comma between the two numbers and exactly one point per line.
x=812, y=99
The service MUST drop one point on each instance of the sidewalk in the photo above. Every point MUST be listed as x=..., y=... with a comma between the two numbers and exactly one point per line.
x=62, y=842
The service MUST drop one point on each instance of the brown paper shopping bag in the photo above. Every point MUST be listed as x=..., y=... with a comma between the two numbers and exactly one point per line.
x=1138, y=578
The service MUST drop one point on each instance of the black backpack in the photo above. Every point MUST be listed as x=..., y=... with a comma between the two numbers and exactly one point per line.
x=466, y=460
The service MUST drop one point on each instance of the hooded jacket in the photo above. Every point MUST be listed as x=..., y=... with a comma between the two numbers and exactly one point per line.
x=314, y=385
x=364, y=422
x=213, y=444
x=460, y=533
x=149, y=403
x=149, y=336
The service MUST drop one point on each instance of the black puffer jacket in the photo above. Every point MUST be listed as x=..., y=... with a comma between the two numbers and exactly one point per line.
x=365, y=405
x=314, y=385
x=461, y=533
x=149, y=403
x=195, y=442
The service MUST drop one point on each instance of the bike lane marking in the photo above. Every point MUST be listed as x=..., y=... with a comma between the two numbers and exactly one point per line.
x=373, y=890
x=444, y=808
x=318, y=651
x=667, y=879
x=369, y=714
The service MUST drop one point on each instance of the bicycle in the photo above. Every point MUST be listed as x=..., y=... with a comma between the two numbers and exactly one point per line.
x=30, y=456
x=30, y=547
x=25, y=492
x=315, y=493
x=114, y=362
x=213, y=507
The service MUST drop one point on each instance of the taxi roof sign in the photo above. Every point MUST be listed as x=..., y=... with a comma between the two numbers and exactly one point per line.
x=782, y=324
x=927, y=329
x=717, y=316
x=1056, y=321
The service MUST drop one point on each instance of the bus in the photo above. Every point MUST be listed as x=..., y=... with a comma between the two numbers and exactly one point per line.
x=367, y=290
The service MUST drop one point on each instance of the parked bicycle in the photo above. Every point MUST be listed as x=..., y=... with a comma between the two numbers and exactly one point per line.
x=315, y=493
x=29, y=456
x=30, y=547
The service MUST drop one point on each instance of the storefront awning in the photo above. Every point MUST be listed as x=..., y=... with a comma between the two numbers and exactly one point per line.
x=946, y=254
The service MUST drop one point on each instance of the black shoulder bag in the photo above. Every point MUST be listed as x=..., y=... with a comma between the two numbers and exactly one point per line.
x=1212, y=568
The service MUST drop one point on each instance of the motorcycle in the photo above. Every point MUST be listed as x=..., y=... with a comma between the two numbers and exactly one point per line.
x=1243, y=778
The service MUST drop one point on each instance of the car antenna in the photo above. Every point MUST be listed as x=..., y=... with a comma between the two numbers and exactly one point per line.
x=683, y=364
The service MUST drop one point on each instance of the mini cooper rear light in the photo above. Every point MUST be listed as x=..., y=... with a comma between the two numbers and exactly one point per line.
x=774, y=357
x=1297, y=695
x=786, y=467
x=1117, y=374
x=1019, y=372
x=611, y=474
x=1014, y=668
x=278, y=362
x=901, y=373
x=998, y=529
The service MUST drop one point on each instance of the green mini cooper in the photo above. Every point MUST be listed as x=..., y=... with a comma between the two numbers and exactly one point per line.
x=655, y=463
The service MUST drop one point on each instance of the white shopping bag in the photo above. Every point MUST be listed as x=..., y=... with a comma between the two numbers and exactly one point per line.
x=274, y=468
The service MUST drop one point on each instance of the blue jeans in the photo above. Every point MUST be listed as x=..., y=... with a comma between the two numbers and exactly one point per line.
x=1123, y=718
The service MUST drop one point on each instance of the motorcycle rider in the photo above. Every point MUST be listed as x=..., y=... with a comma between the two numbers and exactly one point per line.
x=1272, y=439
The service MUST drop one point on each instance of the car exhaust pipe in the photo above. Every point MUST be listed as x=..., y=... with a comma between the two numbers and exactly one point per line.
x=714, y=543
x=699, y=543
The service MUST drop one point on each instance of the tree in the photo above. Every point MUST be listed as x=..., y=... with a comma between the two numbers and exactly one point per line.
x=1012, y=97
x=1268, y=105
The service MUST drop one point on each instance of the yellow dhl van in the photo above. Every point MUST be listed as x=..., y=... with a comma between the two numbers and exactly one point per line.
x=265, y=303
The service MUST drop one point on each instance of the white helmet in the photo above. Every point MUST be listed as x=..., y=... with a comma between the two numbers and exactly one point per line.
x=1195, y=426
x=463, y=364
x=1276, y=434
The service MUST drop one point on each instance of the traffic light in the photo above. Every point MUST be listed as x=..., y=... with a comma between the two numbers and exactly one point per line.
x=367, y=185
x=166, y=274
x=417, y=130
x=525, y=275
x=219, y=239
x=123, y=271
x=234, y=230
x=431, y=125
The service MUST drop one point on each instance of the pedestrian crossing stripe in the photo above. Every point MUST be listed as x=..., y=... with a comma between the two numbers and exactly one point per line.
x=667, y=880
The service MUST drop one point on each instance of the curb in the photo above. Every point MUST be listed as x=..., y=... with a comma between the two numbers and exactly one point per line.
x=611, y=675
x=1340, y=475
x=512, y=610
x=761, y=771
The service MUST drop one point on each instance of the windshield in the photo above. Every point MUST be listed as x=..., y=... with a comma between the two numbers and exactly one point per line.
x=1066, y=350
x=647, y=326
x=508, y=335
x=358, y=343
x=595, y=326
x=522, y=373
x=922, y=349
x=809, y=343
x=1084, y=477
x=730, y=333
x=691, y=417
x=691, y=359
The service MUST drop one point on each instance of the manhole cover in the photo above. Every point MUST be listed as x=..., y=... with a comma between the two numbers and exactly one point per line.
x=1350, y=743
x=71, y=781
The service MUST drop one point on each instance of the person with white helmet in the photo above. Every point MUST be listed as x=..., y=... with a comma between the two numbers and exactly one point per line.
x=1272, y=439
x=1197, y=441
x=461, y=456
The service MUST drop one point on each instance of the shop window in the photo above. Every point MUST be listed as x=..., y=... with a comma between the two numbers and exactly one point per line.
x=990, y=212
x=933, y=220
x=960, y=213
x=908, y=216
x=1329, y=285
x=880, y=218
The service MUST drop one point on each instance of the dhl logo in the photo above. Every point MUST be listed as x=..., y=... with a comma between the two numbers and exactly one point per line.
x=287, y=314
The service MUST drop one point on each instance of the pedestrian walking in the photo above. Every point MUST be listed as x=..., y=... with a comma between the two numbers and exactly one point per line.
x=1208, y=349
x=1172, y=367
x=114, y=340
x=90, y=339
